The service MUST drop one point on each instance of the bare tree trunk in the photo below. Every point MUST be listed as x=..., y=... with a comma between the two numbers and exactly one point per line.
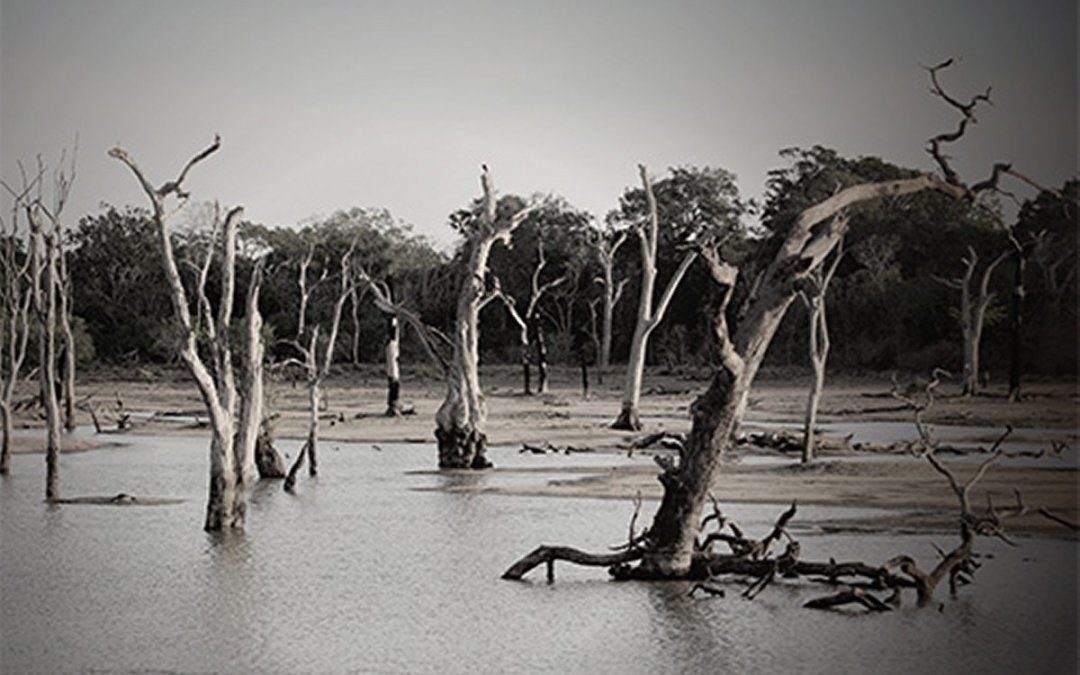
x=314, y=396
x=973, y=314
x=541, y=356
x=67, y=337
x=1016, y=319
x=816, y=386
x=667, y=549
x=43, y=271
x=648, y=318
x=5, y=442
x=18, y=296
x=231, y=445
x=607, y=246
x=814, y=299
x=526, y=365
x=530, y=337
x=354, y=313
x=716, y=413
x=393, y=366
x=461, y=418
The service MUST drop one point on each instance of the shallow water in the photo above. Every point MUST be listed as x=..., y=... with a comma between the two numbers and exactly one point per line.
x=362, y=572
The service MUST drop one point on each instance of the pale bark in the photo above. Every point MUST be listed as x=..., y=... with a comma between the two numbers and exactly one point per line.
x=393, y=366
x=716, y=414
x=231, y=456
x=461, y=419
x=316, y=364
x=973, y=305
x=607, y=247
x=44, y=273
x=395, y=312
x=814, y=299
x=1016, y=319
x=67, y=338
x=15, y=326
x=530, y=333
x=648, y=316
x=668, y=546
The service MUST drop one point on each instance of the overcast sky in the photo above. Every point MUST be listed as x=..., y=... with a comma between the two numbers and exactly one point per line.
x=326, y=105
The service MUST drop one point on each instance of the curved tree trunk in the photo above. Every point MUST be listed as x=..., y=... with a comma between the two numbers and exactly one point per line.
x=717, y=412
x=648, y=317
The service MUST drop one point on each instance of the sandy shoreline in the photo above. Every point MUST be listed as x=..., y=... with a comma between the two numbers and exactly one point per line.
x=563, y=417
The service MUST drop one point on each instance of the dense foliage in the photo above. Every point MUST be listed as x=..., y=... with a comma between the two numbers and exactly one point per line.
x=887, y=306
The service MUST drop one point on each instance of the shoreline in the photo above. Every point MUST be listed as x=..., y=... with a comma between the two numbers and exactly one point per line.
x=898, y=483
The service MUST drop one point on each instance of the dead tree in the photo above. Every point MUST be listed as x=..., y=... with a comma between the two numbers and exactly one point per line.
x=433, y=340
x=530, y=333
x=973, y=306
x=15, y=327
x=461, y=418
x=354, y=336
x=667, y=549
x=62, y=182
x=648, y=316
x=235, y=414
x=43, y=272
x=813, y=297
x=316, y=365
x=1056, y=258
x=1020, y=254
x=606, y=245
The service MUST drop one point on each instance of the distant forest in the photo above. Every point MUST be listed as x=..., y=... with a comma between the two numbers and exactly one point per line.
x=893, y=304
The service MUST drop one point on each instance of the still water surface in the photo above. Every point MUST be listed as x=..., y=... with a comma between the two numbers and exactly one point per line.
x=361, y=572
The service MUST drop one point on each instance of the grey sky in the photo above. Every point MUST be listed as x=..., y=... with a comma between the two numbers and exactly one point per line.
x=327, y=105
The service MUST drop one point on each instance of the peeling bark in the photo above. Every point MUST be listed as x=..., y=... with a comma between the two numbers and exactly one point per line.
x=462, y=417
x=232, y=437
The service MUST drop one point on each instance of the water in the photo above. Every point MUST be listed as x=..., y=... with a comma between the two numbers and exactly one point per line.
x=363, y=572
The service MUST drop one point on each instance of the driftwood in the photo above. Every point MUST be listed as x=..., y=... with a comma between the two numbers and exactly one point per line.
x=121, y=499
x=547, y=447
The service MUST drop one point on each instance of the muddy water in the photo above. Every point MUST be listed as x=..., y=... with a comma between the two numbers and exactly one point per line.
x=360, y=571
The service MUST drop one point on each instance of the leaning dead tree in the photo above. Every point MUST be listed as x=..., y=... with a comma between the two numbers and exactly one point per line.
x=462, y=417
x=813, y=297
x=606, y=244
x=530, y=333
x=235, y=413
x=670, y=547
x=15, y=321
x=435, y=343
x=316, y=356
x=973, y=305
x=648, y=315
